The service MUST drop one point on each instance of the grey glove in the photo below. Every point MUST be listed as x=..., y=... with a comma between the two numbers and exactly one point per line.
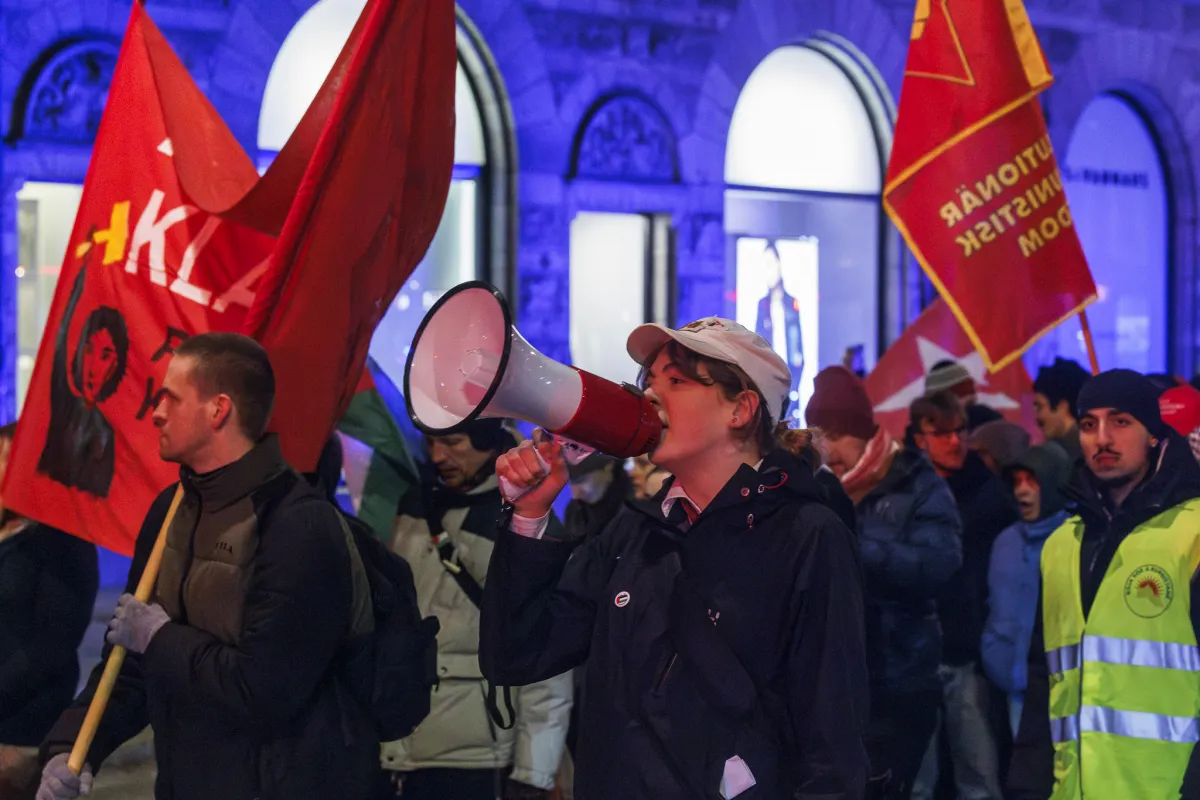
x=59, y=783
x=134, y=623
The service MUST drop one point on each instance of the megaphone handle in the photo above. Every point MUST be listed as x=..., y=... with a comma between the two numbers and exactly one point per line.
x=510, y=492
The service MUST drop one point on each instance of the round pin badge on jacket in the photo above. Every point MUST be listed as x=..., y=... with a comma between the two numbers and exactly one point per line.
x=621, y=600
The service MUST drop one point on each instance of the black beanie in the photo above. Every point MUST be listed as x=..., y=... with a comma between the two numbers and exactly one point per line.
x=1062, y=380
x=1127, y=391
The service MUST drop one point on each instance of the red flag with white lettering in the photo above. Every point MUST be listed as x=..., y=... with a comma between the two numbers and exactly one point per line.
x=899, y=377
x=176, y=235
x=145, y=268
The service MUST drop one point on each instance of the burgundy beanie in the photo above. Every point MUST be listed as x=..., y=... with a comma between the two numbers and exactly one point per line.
x=839, y=404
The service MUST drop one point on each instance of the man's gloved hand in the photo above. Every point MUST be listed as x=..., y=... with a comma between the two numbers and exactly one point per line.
x=59, y=783
x=519, y=791
x=134, y=623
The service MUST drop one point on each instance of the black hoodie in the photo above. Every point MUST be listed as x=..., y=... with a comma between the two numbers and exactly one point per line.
x=1175, y=480
x=741, y=635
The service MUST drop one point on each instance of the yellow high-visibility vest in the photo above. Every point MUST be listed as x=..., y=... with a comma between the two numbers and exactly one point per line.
x=1125, y=682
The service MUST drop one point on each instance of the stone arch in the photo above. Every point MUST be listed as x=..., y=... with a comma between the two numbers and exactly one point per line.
x=625, y=136
x=867, y=39
x=610, y=81
x=761, y=26
x=31, y=36
x=63, y=95
x=1137, y=67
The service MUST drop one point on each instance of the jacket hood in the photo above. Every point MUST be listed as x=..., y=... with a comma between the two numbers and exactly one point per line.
x=1173, y=479
x=1050, y=465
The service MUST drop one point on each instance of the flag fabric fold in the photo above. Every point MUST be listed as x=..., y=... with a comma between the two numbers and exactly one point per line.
x=973, y=184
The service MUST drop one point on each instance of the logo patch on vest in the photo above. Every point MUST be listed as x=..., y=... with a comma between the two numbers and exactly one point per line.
x=1149, y=591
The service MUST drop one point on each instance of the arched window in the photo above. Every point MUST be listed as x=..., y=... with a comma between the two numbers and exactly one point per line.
x=804, y=166
x=1113, y=174
x=464, y=245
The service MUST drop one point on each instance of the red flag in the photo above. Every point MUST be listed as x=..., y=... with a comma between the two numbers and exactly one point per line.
x=899, y=377
x=973, y=184
x=367, y=209
x=175, y=231
x=145, y=268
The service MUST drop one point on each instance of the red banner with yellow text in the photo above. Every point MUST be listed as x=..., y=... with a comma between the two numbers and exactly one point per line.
x=973, y=184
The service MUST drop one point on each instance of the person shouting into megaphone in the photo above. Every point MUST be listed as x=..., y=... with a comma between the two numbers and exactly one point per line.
x=721, y=622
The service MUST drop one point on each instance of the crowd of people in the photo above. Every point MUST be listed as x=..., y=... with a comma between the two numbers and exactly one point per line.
x=750, y=611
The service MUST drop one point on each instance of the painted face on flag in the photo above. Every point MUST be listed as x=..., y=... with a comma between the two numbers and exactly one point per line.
x=99, y=362
x=101, y=355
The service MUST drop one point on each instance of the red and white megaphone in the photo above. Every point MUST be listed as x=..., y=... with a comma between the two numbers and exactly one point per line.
x=468, y=361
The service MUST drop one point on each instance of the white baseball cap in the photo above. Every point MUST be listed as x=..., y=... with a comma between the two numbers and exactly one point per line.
x=722, y=340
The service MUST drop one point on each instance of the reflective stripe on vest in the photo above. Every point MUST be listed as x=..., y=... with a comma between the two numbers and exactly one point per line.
x=1125, y=682
x=1134, y=652
x=1131, y=724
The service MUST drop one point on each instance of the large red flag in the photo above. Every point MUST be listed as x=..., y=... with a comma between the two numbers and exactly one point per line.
x=973, y=184
x=145, y=268
x=899, y=377
x=176, y=234
x=367, y=209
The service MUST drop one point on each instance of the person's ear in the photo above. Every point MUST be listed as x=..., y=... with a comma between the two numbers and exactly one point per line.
x=221, y=412
x=745, y=409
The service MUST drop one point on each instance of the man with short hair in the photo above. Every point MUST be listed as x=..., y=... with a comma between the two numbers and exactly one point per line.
x=908, y=538
x=447, y=537
x=985, y=508
x=1114, y=671
x=1056, y=391
x=235, y=661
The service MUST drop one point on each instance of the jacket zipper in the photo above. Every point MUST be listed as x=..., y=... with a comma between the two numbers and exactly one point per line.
x=666, y=673
x=187, y=568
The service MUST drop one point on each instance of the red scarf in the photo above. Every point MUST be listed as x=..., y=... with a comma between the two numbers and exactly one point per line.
x=872, y=467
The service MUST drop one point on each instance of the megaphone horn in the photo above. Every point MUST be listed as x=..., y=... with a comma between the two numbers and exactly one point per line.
x=467, y=361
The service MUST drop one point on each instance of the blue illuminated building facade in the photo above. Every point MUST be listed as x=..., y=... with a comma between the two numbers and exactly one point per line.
x=629, y=160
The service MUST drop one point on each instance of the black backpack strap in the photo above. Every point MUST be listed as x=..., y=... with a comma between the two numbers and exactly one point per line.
x=493, y=707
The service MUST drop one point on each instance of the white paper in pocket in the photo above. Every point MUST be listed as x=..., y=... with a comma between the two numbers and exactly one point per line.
x=737, y=778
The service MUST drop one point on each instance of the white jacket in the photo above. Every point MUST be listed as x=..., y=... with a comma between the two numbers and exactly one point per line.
x=458, y=733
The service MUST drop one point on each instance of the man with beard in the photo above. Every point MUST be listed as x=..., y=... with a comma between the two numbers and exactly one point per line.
x=457, y=752
x=1114, y=671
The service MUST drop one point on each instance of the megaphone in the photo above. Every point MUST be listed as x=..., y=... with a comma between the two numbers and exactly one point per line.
x=467, y=362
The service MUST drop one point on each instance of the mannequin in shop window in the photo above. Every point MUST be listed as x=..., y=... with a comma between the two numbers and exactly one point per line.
x=779, y=315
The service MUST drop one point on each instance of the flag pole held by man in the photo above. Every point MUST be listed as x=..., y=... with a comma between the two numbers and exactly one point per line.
x=251, y=641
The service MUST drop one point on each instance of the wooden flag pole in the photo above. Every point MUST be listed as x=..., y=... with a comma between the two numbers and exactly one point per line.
x=1087, y=340
x=116, y=658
